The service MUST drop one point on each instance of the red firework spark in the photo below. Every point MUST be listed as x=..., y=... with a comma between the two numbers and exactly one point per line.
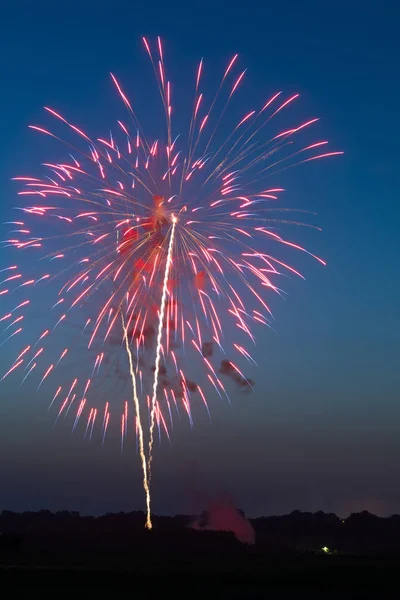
x=103, y=220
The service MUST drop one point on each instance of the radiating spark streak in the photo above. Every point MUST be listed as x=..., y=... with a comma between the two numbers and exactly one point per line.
x=100, y=361
x=11, y=278
x=55, y=396
x=9, y=268
x=244, y=353
x=159, y=338
x=41, y=130
x=79, y=413
x=95, y=365
x=29, y=282
x=286, y=243
x=105, y=415
x=22, y=353
x=61, y=357
x=105, y=428
x=230, y=66
x=79, y=131
x=122, y=432
x=44, y=334
x=10, y=336
x=214, y=385
x=57, y=303
x=237, y=82
x=62, y=318
x=67, y=398
x=11, y=369
x=294, y=97
x=47, y=373
x=89, y=381
x=93, y=421
x=88, y=420
x=25, y=303
x=38, y=353
x=326, y=155
x=124, y=98
x=28, y=373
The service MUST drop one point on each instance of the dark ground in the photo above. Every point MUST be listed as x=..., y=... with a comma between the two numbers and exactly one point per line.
x=183, y=576
x=64, y=553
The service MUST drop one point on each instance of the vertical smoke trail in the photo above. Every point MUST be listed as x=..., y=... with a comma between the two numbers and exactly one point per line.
x=139, y=426
x=159, y=336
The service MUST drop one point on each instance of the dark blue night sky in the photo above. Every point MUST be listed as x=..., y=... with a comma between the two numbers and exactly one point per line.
x=321, y=430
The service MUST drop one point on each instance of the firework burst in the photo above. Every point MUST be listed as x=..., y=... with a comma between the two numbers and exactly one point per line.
x=146, y=250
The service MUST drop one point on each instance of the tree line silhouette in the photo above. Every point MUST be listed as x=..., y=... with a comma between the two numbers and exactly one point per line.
x=299, y=532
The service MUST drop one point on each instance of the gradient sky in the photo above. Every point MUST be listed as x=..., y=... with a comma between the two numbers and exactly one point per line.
x=321, y=430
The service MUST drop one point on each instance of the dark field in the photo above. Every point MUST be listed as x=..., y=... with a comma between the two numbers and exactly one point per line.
x=196, y=574
x=63, y=553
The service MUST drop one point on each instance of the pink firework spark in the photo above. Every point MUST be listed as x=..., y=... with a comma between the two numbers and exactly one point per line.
x=168, y=244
